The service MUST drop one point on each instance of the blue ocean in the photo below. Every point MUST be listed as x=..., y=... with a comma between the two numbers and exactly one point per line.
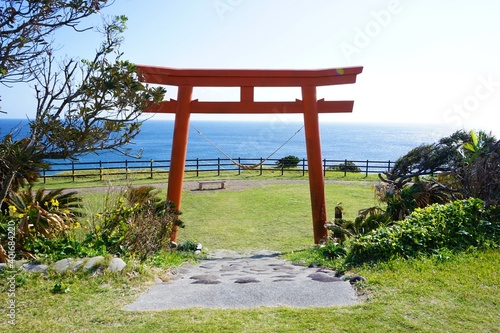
x=253, y=140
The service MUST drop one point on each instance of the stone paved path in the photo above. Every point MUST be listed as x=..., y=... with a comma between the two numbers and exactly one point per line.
x=229, y=279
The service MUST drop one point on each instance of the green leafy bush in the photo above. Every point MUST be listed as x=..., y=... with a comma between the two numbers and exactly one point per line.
x=34, y=217
x=456, y=226
x=138, y=224
x=188, y=246
x=289, y=161
x=345, y=167
x=368, y=219
x=332, y=251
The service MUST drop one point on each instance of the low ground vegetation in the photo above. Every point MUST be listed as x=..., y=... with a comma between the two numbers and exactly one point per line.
x=345, y=167
x=134, y=223
x=416, y=226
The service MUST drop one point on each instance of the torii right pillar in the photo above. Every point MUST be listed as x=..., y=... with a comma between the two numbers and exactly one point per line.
x=315, y=163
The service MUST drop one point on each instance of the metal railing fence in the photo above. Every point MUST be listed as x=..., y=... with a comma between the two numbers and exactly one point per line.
x=126, y=168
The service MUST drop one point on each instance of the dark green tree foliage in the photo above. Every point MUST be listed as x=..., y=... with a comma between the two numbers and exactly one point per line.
x=289, y=161
x=83, y=107
x=462, y=165
x=345, y=167
x=27, y=28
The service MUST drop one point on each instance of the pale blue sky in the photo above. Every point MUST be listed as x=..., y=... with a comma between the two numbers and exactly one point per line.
x=424, y=61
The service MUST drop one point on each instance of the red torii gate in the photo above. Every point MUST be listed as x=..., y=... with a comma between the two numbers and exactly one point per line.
x=308, y=80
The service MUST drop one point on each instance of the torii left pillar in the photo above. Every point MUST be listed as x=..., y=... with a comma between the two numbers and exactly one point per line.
x=315, y=164
x=247, y=80
x=179, y=150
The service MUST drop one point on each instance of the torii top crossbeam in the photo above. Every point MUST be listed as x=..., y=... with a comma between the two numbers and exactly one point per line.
x=249, y=77
x=247, y=80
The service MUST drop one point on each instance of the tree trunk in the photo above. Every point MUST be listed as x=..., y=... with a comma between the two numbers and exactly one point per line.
x=5, y=185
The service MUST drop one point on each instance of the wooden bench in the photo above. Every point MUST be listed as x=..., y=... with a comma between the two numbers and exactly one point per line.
x=222, y=184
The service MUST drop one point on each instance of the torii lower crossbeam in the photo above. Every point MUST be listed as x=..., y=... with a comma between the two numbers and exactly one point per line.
x=307, y=80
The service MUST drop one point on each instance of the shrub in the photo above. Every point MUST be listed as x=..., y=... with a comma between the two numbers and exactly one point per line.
x=367, y=220
x=289, y=161
x=332, y=251
x=456, y=226
x=188, y=246
x=35, y=217
x=402, y=201
x=138, y=224
x=345, y=167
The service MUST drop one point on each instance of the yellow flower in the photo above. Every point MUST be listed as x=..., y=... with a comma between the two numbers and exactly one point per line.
x=12, y=209
x=54, y=203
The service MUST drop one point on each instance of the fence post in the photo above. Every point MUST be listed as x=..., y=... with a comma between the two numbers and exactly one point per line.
x=345, y=168
x=218, y=166
x=151, y=168
x=197, y=167
x=239, y=163
x=100, y=170
x=366, y=174
x=44, y=176
x=389, y=166
x=126, y=169
x=261, y=162
x=324, y=167
x=73, y=170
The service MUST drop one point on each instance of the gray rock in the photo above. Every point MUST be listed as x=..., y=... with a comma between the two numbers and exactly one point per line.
x=283, y=268
x=35, y=268
x=204, y=277
x=247, y=280
x=116, y=265
x=206, y=282
x=91, y=263
x=323, y=277
x=67, y=264
x=62, y=265
x=258, y=270
x=288, y=276
x=356, y=279
x=283, y=280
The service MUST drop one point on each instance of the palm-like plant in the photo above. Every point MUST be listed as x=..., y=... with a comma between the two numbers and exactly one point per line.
x=22, y=156
x=368, y=219
x=44, y=214
x=38, y=214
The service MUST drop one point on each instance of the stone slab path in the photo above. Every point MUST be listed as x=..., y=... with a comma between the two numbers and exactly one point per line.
x=228, y=279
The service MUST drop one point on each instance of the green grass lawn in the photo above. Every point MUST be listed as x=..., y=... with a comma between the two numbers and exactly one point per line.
x=274, y=217
x=117, y=177
x=460, y=294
